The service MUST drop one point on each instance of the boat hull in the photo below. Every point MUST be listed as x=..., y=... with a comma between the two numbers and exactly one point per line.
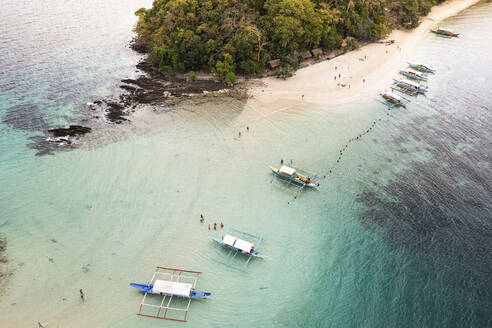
x=449, y=35
x=409, y=87
x=413, y=77
x=295, y=180
x=149, y=290
x=392, y=101
x=219, y=240
x=421, y=68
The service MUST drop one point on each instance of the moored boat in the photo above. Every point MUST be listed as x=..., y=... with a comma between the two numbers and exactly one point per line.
x=393, y=99
x=411, y=86
x=445, y=32
x=293, y=174
x=171, y=288
x=237, y=244
x=421, y=68
x=413, y=75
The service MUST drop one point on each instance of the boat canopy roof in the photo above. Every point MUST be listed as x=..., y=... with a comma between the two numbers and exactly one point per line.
x=394, y=95
x=287, y=170
x=172, y=288
x=445, y=30
x=415, y=84
x=240, y=244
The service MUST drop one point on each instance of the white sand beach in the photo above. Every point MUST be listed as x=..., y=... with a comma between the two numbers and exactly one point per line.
x=363, y=72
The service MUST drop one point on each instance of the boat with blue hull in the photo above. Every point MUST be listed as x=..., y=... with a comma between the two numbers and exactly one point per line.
x=171, y=288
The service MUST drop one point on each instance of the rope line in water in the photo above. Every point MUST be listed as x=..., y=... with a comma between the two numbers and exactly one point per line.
x=345, y=146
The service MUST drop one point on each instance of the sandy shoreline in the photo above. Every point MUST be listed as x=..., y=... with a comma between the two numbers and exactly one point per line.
x=364, y=72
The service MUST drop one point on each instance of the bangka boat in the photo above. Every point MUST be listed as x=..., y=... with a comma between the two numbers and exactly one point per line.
x=293, y=174
x=421, y=68
x=412, y=87
x=229, y=246
x=445, y=32
x=239, y=245
x=393, y=99
x=171, y=288
x=176, y=287
x=413, y=75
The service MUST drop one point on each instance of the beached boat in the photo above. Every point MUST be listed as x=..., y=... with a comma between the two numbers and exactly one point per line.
x=421, y=68
x=393, y=99
x=410, y=86
x=239, y=245
x=171, y=288
x=294, y=175
x=176, y=287
x=413, y=75
x=445, y=32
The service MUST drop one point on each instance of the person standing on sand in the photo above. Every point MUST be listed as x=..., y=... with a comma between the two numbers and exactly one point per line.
x=221, y=225
x=215, y=225
x=209, y=226
x=239, y=134
x=82, y=296
x=247, y=128
x=201, y=218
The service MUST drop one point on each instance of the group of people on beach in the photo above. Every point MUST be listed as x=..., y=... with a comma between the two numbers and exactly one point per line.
x=215, y=223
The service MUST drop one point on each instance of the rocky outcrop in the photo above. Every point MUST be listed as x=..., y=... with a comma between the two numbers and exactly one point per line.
x=72, y=131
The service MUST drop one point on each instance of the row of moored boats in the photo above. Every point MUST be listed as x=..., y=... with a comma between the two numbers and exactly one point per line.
x=413, y=81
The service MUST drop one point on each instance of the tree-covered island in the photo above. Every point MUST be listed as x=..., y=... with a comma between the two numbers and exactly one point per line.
x=227, y=37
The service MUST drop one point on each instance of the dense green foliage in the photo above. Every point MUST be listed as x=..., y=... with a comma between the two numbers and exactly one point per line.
x=228, y=36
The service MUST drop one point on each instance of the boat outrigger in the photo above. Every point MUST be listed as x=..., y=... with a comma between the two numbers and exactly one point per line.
x=300, y=177
x=171, y=284
x=409, y=87
x=421, y=68
x=413, y=75
x=247, y=245
x=445, y=32
x=392, y=99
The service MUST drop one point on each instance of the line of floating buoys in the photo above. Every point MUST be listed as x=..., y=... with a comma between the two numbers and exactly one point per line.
x=345, y=146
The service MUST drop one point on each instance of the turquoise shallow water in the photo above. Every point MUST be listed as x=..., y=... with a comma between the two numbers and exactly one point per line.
x=398, y=234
